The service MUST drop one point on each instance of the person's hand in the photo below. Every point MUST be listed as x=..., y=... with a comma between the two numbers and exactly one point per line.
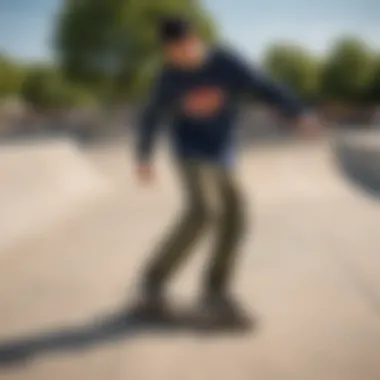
x=310, y=126
x=145, y=173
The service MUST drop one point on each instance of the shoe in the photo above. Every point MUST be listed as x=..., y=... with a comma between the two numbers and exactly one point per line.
x=150, y=306
x=222, y=311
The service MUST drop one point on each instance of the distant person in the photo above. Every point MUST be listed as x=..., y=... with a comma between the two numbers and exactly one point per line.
x=199, y=88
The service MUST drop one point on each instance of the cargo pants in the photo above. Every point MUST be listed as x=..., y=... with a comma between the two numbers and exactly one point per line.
x=212, y=199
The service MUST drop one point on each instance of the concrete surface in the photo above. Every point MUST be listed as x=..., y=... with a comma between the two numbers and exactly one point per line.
x=359, y=157
x=41, y=182
x=309, y=271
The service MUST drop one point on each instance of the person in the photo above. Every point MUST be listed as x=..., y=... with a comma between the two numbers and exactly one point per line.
x=198, y=88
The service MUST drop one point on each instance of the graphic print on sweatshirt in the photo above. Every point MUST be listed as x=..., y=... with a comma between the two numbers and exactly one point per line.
x=204, y=101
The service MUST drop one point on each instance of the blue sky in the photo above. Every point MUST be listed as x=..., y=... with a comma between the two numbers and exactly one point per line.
x=252, y=24
x=25, y=25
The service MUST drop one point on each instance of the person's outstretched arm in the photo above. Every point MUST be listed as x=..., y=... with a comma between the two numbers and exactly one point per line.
x=150, y=120
x=250, y=79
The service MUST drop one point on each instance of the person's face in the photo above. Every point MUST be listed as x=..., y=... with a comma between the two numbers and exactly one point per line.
x=186, y=53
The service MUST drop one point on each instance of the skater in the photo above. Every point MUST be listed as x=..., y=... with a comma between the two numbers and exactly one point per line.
x=199, y=88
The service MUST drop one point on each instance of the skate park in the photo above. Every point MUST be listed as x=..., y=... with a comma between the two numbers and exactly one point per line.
x=77, y=227
x=75, y=233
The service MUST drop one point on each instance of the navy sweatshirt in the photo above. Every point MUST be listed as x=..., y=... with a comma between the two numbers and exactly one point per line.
x=207, y=137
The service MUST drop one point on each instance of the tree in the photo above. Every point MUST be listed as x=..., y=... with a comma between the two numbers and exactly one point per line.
x=46, y=88
x=374, y=87
x=348, y=71
x=38, y=85
x=294, y=67
x=107, y=42
x=11, y=77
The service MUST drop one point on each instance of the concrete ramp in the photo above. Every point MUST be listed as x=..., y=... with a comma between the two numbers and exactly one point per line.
x=309, y=271
x=296, y=171
x=359, y=157
x=41, y=182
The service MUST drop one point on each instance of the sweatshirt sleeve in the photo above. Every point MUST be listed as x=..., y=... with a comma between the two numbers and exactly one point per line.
x=151, y=117
x=251, y=80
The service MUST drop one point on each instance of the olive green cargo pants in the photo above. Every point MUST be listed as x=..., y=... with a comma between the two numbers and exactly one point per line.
x=212, y=198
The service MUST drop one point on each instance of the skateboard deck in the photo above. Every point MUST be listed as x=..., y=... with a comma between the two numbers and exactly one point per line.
x=187, y=317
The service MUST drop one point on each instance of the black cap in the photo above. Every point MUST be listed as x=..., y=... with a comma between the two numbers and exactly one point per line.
x=174, y=29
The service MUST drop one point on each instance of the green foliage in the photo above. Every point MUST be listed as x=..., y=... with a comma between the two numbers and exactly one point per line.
x=38, y=87
x=99, y=41
x=348, y=71
x=373, y=93
x=294, y=67
x=11, y=77
x=44, y=87
x=112, y=46
x=108, y=49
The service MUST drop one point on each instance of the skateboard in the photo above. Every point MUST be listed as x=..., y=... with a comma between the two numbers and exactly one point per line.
x=187, y=317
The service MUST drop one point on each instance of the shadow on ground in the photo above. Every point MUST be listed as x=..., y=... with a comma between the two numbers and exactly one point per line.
x=108, y=329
